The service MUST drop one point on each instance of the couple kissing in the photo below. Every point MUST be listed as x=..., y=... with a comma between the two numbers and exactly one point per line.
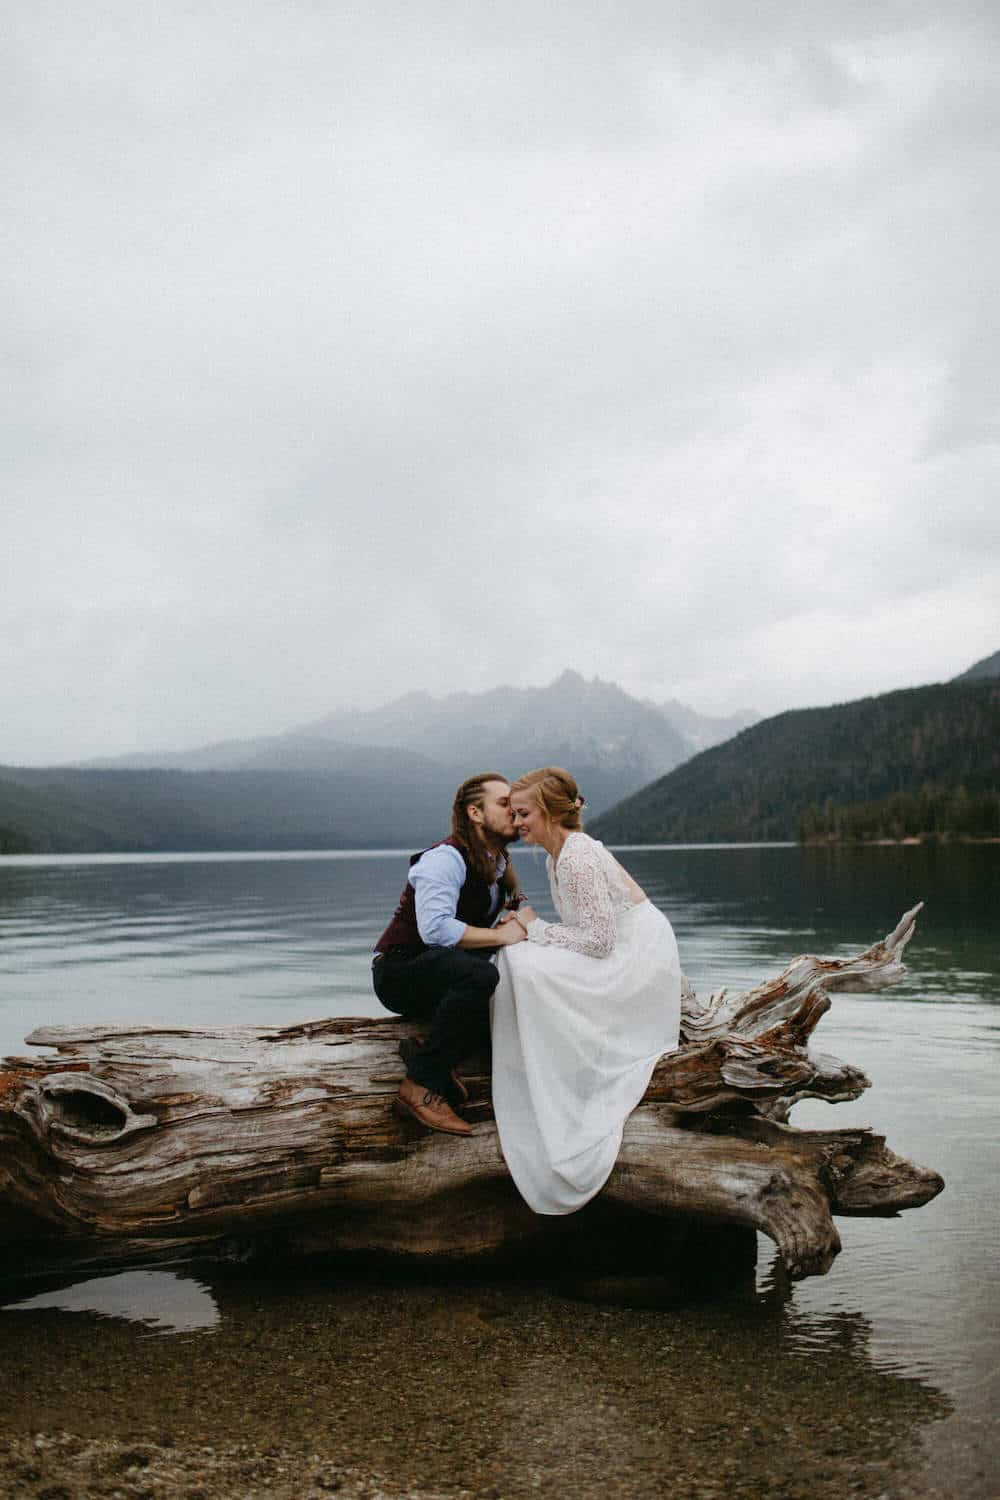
x=577, y=1012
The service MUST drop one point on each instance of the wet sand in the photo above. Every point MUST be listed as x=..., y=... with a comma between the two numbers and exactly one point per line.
x=312, y=1386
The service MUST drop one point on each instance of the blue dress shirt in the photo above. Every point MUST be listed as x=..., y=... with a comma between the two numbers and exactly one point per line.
x=437, y=879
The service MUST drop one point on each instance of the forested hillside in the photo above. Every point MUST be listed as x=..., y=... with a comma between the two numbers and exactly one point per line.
x=59, y=810
x=789, y=775
x=932, y=812
x=988, y=667
x=44, y=811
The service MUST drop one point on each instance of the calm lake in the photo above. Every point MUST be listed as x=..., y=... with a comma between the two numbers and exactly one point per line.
x=911, y=1309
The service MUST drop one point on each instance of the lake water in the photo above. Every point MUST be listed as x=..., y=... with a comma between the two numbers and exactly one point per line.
x=912, y=1305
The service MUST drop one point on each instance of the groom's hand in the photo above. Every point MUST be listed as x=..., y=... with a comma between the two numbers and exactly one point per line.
x=508, y=930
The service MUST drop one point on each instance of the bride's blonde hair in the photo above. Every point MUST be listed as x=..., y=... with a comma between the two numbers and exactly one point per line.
x=556, y=793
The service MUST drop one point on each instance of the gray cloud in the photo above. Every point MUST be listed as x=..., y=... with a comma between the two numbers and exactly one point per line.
x=361, y=348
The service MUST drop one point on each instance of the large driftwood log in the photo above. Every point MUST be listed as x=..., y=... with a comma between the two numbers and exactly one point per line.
x=141, y=1140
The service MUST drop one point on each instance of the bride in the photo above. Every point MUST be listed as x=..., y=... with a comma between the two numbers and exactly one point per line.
x=582, y=1011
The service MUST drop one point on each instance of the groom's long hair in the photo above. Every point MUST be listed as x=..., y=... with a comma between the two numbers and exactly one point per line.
x=471, y=794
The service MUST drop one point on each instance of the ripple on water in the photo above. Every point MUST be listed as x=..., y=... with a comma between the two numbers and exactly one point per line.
x=269, y=941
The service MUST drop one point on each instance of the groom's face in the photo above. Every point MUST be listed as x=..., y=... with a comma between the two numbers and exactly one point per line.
x=496, y=818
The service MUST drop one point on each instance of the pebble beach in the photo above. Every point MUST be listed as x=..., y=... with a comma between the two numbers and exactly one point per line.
x=313, y=1385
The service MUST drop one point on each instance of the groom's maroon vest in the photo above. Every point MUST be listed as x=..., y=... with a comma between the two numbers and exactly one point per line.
x=475, y=905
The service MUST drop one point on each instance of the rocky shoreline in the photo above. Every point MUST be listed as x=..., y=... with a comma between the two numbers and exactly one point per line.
x=464, y=1391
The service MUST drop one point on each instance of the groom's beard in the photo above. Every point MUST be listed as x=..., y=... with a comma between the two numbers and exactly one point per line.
x=498, y=841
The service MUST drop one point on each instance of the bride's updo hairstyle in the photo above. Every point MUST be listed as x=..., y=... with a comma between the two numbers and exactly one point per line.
x=556, y=793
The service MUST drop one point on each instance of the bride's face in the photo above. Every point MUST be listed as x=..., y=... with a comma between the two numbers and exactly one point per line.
x=529, y=820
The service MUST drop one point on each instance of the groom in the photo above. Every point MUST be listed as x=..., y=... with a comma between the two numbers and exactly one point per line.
x=432, y=962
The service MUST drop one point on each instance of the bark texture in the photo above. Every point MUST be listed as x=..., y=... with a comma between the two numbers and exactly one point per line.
x=142, y=1140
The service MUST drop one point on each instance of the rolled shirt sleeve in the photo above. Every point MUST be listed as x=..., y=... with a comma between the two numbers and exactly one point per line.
x=437, y=879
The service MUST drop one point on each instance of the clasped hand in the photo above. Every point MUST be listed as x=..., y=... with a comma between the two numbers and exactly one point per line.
x=515, y=924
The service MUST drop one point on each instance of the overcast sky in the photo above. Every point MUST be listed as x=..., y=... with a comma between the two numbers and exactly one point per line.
x=360, y=347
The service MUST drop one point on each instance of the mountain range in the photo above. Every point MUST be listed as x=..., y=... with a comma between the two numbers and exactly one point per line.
x=613, y=742
x=381, y=777
x=918, y=761
x=988, y=667
x=911, y=762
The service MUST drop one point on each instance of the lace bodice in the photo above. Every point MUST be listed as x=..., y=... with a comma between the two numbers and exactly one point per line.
x=589, y=889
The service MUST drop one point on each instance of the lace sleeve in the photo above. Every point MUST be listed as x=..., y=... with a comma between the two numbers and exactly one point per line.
x=586, y=898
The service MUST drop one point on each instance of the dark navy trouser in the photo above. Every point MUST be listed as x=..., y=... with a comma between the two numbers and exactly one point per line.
x=448, y=987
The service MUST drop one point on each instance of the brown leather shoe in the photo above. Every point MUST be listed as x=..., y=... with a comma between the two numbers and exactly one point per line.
x=408, y=1049
x=418, y=1103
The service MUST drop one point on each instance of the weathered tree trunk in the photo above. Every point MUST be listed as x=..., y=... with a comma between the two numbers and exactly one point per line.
x=143, y=1140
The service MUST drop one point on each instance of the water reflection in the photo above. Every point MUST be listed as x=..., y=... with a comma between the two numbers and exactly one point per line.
x=279, y=938
x=161, y=1301
x=736, y=910
x=491, y=1384
x=275, y=940
x=743, y=1385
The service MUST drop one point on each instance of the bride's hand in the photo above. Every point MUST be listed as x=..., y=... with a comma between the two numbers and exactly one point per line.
x=525, y=914
x=509, y=932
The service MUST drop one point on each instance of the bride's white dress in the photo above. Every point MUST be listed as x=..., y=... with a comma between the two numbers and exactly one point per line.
x=581, y=1015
